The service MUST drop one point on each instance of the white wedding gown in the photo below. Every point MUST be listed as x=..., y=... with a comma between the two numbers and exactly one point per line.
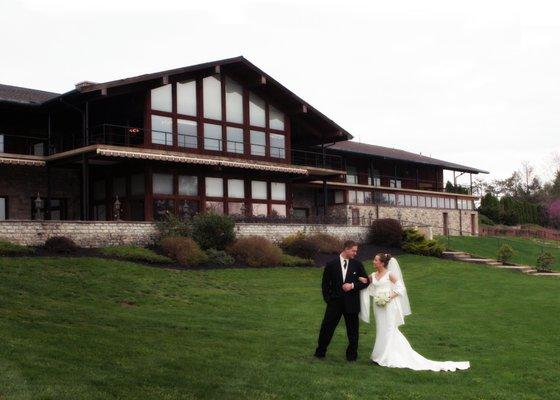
x=391, y=349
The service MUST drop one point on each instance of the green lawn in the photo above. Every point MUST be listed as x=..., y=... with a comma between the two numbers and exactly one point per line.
x=526, y=251
x=88, y=328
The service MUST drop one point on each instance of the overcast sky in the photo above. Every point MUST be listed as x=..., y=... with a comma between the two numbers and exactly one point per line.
x=473, y=82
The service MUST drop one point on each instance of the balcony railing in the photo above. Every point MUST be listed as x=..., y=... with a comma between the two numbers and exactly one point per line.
x=28, y=145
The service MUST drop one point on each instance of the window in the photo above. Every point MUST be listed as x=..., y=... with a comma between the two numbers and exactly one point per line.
x=162, y=128
x=162, y=184
x=188, y=185
x=392, y=199
x=236, y=208
x=452, y=203
x=278, y=191
x=395, y=183
x=421, y=201
x=162, y=208
x=213, y=137
x=374, y=178
x=407, y=200
x=187, y=133
x=2, y=143
x=137, y=184
x=236, y=188
x=119, y=186
x=259, y=210
x=258, y=143
x=161, y=98
x=99, y=212
x=446, y=203
x=277, y=145
x=434, y=202
x=212, y=95
x=352, y=196
x=400, y=200
x=234, y=140
x=360, y=197
x=256, y=110
x=258, y=190
x=216, y=207
x=39, y=149
x=351, y=174
x=275, y=119
x=414, y=201
x=338, y=197
x=186, y=98
x=234, y=102
x=214, y=187
x=278, y=210
x=440, y=202
x=187, y=208
x=3, y=208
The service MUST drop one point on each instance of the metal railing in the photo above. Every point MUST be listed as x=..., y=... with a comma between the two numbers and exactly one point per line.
x=18, y=144
x=318, y=160
x=399, y=182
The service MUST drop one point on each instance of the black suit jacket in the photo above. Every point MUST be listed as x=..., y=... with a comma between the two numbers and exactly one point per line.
x=332, y=284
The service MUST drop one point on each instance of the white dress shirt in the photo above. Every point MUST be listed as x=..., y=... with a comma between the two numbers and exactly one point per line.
x=344, y=270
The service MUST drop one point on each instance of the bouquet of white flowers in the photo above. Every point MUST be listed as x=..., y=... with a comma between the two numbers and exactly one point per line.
x=381, y=299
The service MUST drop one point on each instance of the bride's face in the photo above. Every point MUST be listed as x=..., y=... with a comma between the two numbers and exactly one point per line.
x=377, y=263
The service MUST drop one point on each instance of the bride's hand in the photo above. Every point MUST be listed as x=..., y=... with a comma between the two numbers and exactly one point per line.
x=363, y=280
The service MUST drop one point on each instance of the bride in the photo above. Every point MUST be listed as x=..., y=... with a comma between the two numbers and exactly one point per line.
x=390, y=305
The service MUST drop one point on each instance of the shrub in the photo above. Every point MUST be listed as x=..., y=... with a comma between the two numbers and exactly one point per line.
x=302, y=247
x=326, y=243
x=60, y=245
x=505, y=252
x=219, y=257
x=135, y=253
x=185, y=250
x=386, y=232
x=545, y=261
x=171, y=225
x=294, y=261
x=12, y=249
x=414, y=242
x=484, y=220
x=256, y=251
x=213, y=231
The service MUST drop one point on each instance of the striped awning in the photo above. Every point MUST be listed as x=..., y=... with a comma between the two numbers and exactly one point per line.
x=22, y=161
x=147, y=155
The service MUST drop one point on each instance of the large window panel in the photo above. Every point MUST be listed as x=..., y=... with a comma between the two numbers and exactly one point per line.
x=162, y=207
x=234, y=140
x=256, y=110
x=3, y=209
x=188, y=185
x=278, y=191
x=259, y=210
x=187, y=133
x=276, y=118
x=162, y=128
x=161, y=98
x=2, y=143
x=212, y=95
x=338, y=197
x=278, y=210
x=236, y=188
x=214, y=187
x=186, y=98
x=258, y=190
x=216, y=207
x=258, y=143
x=236, y=208
x=162, y=184
x=234, y=101
x=212, y=137
x=277, y=145
x=137, y=184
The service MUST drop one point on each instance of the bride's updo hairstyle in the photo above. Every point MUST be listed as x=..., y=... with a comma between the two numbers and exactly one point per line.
x=384, y=258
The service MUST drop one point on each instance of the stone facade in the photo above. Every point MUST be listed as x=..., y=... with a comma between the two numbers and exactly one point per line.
x=22, y=183
x=276, y=232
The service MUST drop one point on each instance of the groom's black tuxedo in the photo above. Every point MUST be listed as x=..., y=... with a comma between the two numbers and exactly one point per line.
x=341, y=303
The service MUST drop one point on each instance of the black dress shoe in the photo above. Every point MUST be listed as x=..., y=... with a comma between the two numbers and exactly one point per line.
x=351, y=359
x=319, y=356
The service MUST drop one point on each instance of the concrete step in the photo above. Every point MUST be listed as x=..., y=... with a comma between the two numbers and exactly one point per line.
x=529, y=271
x=454, y=254
x=478, y=260
x=519, y=268
x=546, y=274
x=494, y=263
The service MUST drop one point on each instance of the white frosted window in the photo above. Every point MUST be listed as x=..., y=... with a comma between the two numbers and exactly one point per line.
x=434, y=202
x=276, y=119
x=119, y=186
x=352, y=196
x=161, y=98
x=256, y=110
x=421, y=201
x=234, y=101
x=235, y=208
x=277, y=145
x=338, y=196
x=258, y=143
x=452, y=203
x=212, y=95
x=400, y=200
x=1, y=143
x=278, y=191
x=360, y=199
x=162, y=183
x=258, y=190
x=3, y=209
x=278, y=210
x=214, y=187
x=188, y=185
x=212, y=137
x=162, y=128
x=137, y=184
x=441, y=202
x=234, y=140
x=99, y=190
x=186, y=133
x=414, y=201
x=186, y=98
x=407, y=200
x=259, y=210
x=236, y=188
x=216, y=207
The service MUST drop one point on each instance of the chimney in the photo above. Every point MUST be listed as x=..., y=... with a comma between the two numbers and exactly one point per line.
x=83, y=84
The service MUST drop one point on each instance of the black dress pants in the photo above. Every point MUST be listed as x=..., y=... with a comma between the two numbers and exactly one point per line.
x=335, y=310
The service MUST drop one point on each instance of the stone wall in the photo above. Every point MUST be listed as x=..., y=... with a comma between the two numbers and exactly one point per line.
x=278, y=231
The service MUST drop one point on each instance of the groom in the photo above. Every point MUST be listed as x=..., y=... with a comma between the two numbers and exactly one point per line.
x=341, y=291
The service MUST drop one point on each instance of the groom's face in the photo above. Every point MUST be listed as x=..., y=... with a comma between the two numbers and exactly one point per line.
x=350, y=252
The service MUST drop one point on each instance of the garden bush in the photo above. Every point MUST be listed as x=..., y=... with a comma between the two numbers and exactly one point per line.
x=213, y=231
x=386, y=232
x=172, y=225
x=545, y=261
x=484, y=220
x=294, y=261
x=505, y=252
x=135, y=253
x=219, y=258
x=60, y=245
x=256, y=251
x=304, y=246
x=414, y=242
x=185, y=250
x=327, y=243
x=12, y=249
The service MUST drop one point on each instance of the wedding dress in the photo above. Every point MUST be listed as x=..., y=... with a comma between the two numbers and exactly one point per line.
x=391, y=348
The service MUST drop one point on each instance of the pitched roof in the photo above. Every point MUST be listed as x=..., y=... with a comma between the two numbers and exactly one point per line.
x=396, y=154
x=16, y=94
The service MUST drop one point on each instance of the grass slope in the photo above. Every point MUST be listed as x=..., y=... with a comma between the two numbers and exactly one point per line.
x=526, y=251
x=100, y=329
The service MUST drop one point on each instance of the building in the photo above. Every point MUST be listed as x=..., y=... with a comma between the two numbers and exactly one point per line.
x=221, y=136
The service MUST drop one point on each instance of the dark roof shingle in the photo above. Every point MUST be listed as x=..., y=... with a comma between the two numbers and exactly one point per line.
x=16, y=94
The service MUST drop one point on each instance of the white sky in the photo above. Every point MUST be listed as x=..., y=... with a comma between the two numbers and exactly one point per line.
x=477, y=82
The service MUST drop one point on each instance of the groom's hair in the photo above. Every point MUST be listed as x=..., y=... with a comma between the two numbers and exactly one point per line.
x=348, y=244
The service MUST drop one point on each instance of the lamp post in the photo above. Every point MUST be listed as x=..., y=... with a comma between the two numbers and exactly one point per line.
x=117, y=209
x=39, y=203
